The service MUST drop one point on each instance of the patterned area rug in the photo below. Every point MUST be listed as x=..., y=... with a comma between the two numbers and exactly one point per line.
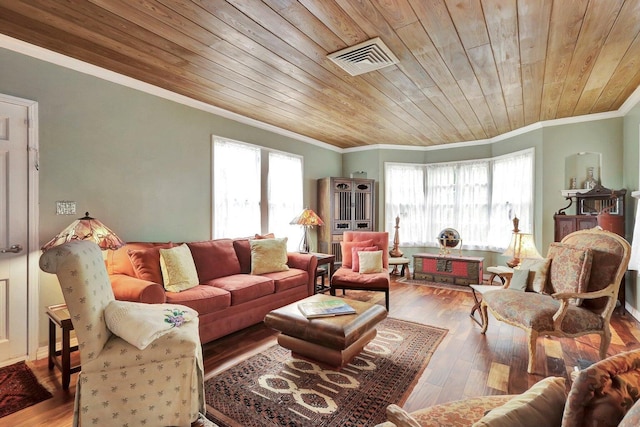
x=275, y=389
x=19, y=389
x=463, y=288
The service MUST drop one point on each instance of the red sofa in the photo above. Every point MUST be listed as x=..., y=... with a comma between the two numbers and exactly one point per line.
x=228, y=298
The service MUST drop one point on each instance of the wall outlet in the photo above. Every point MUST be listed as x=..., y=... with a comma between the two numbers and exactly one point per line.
x=65, y=207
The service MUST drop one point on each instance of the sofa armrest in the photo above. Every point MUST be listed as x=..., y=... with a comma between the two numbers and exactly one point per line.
x=306, y=262
x=127, y=288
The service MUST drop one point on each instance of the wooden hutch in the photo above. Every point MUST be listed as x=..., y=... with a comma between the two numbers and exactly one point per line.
x=344, y=204
x=588, y=205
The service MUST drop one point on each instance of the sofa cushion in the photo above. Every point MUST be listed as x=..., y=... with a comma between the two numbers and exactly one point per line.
x=531, y=309
x=538, y=273
x=146, y=264
x=346, y=247
x=355, y=259
x=603, y=393
x=541, y=405
x=349, y=278
x=370, y=262
x=202, y=298
x=178, y=269
x=118, y=261
x=268, y=255
x=244, y=287
x=214, y=258
x=288, y=279
x=459, y=413
x=570, y=268
x=243, y=252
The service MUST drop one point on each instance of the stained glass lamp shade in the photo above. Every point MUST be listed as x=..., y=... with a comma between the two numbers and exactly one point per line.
x=87, y=228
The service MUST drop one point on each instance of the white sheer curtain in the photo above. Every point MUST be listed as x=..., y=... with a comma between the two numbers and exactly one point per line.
x=511, y=195
x=405, y=197
x=474, y=197
x=236, y=189
x=441, y=209
x=285, y=197
x=472, y=203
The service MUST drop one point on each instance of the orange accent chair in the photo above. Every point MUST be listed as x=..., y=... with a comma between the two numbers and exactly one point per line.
x=346, y=278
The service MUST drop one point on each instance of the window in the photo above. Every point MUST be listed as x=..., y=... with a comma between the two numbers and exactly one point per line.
x=478, y=198
x=255, y=190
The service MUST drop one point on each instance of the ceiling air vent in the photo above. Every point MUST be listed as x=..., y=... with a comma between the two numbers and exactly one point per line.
x=364, y=57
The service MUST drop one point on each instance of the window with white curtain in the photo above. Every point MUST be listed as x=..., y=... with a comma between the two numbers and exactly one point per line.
x=255, y=190
x=478, y=198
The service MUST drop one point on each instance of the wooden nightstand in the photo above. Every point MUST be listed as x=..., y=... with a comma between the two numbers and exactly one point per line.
x=59, y=318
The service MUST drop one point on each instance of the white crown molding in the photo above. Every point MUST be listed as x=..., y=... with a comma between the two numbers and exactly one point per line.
x=65, y=61
x=37, y=52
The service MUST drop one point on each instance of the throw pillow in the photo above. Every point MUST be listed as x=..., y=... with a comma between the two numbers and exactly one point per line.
x=268, y=255
x=370, y=262
x=146, y=264
x=355, y=259
x=538, y=272
x=178, y=269
x=264, y=236
x=570, y=268
x=541, y=405
x=347, y=260
x=400, y=417
x=519, y=279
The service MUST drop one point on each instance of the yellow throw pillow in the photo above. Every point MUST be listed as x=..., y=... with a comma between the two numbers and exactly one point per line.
x=178, y=269
x=268, y=255
x=370, y=262
x=541, y=405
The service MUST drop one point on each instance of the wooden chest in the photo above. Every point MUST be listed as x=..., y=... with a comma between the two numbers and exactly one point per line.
x=458, y=270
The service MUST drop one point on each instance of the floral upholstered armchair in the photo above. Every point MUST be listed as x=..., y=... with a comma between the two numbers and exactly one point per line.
x=151, y=373
x=578, y=294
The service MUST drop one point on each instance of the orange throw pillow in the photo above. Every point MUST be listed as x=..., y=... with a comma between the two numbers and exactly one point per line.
x=347, y=257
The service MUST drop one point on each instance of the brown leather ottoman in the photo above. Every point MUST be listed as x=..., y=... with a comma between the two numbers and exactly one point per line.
x=332, y=340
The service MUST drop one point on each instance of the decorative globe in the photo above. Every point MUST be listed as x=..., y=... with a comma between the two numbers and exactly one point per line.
x=449, y=238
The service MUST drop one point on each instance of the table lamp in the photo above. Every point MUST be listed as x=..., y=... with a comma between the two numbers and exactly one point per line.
x=522, y=246
x=87, y=228
x=308, y=218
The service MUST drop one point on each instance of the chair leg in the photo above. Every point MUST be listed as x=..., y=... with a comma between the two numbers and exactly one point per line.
x=605, y=340
x=533, y=338
x=332, y=292
x=484, y=317
x=386, y=299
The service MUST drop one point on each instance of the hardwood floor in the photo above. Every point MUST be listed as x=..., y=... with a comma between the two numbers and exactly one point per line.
x=465, y=364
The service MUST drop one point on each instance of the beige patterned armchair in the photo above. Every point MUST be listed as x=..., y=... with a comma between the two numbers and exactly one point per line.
x=581, y=291
x=119, y=384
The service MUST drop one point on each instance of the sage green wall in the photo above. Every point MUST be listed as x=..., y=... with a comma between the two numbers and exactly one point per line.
x=139, y=163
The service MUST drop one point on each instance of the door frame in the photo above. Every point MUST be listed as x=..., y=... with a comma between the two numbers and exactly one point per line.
x=33, y=249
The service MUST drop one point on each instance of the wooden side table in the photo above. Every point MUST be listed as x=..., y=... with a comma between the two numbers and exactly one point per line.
x=59, y=318
x=328, y=260
x=400, y=261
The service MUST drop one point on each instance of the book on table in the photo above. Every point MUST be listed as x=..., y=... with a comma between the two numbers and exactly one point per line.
x=334, y=307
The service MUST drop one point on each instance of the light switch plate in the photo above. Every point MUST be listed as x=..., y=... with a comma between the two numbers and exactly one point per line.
x=65, y=207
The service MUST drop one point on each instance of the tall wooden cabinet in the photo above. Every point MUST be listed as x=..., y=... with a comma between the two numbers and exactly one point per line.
x=344, y=204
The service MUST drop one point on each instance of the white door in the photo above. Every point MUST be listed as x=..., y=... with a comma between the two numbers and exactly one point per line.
x=14, y=226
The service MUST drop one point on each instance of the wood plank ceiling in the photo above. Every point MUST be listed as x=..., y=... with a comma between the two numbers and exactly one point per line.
x=468, y=69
